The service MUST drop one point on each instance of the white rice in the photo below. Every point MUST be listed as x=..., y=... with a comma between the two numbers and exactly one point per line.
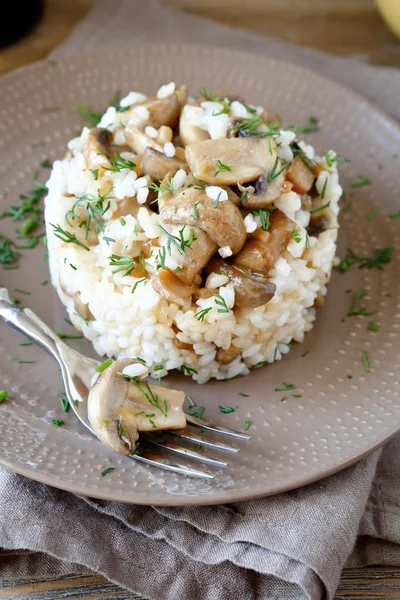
x=143, y=324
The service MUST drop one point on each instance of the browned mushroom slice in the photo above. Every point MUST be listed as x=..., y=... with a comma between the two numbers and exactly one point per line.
x=182, y=93
x=263, y=192
x=300, y=175
x=232, y=161
x=196, y=257
x=270, y=115
x=128, y=206
x=318, y=224
x=96, y=149
x=167, y=285
x=224, y=224
x=138, y=141
x=188, y=133
x=251, y=289
x=224, y=357
x=118, y=408
x=263, y=248
x=157, y=165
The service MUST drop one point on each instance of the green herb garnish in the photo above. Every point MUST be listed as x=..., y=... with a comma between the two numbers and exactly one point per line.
x=381, y=257
x=143, y=280
x=104, y=365
x=273, y=173
x=372, y=214
x=296, y=236
x=221, y=167
x=314, y=210
x=197, y=412
x=122, y=263
x=361, y=182
x=362, y=310
x=366, y=362
x=179, y=242
x=3, y=395
x=372, y=326
x=247, y=424
x=108, y=470
x=64, y=403
x=264, y=214
x=67, y=237
x=226, y=409
x=200, y=315
x=187, y=370
x=220, y=301
x=286, y=386
x=57, y=422
x=89, y=117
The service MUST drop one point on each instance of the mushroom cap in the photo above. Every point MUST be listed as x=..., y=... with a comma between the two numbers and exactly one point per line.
x=263, y=248
x=118, y=408
x=251, y=289
x=157, y=165
x=223, y=224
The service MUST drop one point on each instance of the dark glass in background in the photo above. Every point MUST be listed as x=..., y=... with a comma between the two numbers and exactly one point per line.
x=18, y=19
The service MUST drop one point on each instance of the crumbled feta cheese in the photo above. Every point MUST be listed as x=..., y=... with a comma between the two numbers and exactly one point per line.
x=135, y=370
x=250, y=223
x=178, y=179
x=151, y=132
x=225, y=251
x=216, y=193
x=132, y=98
x=169, y=150
x=166, y=90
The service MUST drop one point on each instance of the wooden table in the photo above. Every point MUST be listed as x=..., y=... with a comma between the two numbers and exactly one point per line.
x=336, y=26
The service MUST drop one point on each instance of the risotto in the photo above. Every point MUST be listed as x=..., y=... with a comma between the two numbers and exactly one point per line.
x=192, y=234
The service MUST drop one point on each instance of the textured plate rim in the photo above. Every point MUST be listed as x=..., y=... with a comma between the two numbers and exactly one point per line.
x=186, y=500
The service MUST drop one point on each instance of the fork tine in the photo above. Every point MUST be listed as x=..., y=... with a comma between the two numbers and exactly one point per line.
x=188, y=436
x=239, y=435
x=170, y=446
x=150, y=458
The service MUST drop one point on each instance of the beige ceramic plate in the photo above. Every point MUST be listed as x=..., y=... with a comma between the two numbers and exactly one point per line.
x=338, y=419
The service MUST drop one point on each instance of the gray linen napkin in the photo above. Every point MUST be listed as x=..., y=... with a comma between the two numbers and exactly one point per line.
x=290, y=546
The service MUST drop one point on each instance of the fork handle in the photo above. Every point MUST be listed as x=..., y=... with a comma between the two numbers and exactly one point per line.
x=25, y=321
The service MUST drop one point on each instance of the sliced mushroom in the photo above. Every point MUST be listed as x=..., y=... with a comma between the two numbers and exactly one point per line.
x=271, y=116
x=170, y=287
x=224, y=357
x=196, y=257
x=300, y=175
x=318, y=224
x=98, y=148
x=251, y=289
x=224, y=224
x=117, y=407
x=127, y=206
x=263, y=248
x=82, y=308
x=182, y=93
x=157, y=165
x=232, y=161
x=138, y=141
x=188, y=133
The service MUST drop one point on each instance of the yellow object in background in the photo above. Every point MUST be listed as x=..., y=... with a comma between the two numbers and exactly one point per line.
x=390, y=11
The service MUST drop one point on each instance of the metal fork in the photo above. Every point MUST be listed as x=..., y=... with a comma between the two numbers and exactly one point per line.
x=77, y=371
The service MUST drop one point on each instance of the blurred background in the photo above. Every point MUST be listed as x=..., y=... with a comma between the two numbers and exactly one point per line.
x=367, y=28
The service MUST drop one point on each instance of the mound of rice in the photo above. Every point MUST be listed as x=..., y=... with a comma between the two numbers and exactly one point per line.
x=119, y=311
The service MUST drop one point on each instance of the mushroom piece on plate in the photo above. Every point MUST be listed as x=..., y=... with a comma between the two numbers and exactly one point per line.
x=121, y=405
